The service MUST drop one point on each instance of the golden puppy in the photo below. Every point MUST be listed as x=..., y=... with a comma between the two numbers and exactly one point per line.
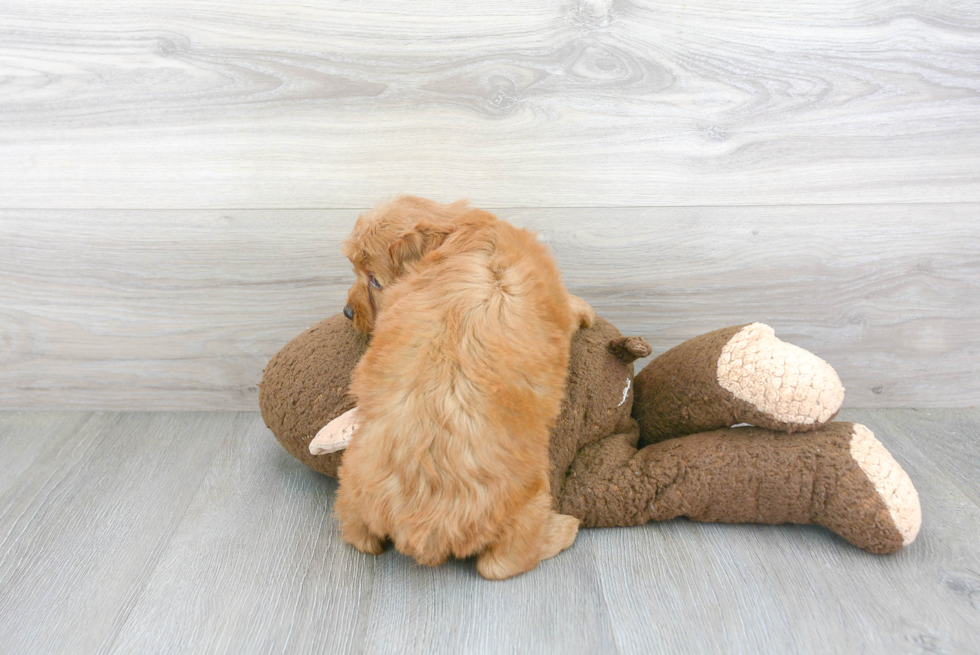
x=458, y=390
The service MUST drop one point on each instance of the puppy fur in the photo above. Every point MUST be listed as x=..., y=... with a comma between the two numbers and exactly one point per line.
x=457, y=393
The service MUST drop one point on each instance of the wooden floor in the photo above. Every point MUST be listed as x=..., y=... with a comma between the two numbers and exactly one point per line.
x=194, y=532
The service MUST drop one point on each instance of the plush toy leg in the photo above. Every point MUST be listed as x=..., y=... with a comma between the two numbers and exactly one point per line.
x=839, y=477
x=740, y=374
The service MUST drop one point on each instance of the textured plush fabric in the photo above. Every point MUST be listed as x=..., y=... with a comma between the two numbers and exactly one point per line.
x=678, y=393
x=733, y=475
x=598, y=395
x=305, y=386
x=835, y=475
x=778, y=379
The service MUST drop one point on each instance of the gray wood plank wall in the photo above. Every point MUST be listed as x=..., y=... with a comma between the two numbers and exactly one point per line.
x=175, y=179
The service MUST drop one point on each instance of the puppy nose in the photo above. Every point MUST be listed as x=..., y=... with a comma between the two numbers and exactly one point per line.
x=348, y=312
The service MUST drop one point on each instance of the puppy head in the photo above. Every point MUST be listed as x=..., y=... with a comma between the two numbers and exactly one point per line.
x=384, y=244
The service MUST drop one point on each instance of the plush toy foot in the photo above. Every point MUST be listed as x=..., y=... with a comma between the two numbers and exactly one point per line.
x=839, y=477
x=740, y=374
x=855, y=514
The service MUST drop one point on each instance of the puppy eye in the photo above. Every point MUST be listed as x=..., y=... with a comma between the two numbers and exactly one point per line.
x=372, y=282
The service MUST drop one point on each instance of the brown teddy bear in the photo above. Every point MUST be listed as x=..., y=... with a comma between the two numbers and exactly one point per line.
x=788, y=465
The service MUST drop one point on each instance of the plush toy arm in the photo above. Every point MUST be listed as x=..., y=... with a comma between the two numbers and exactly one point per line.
x=839, y=477
x=740, y=374
x=335, y=435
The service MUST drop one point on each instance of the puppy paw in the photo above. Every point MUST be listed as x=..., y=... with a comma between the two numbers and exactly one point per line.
x=558, y=535
x=584, y=314
x=495, y=565
x=358, y=536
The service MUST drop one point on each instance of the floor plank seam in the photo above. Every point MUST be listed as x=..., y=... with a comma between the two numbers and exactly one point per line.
x=605, y=599
x=158, y=554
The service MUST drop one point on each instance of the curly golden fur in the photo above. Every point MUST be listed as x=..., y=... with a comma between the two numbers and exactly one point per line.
x=459, y=388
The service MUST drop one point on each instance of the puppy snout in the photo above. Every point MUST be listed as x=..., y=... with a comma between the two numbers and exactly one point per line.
x=348, y=312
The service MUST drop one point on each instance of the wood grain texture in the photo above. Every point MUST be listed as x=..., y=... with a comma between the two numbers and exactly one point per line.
x=952, y=440
x=257, y=564
x=560, y=103
x=24, y=436
x=83, y=525
x=559, y=607
x=947, y=561
x=688, y=587
x=181, y=310
x=195, y=532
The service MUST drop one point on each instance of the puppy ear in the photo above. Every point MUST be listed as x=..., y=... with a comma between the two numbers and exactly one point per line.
x=417, y=242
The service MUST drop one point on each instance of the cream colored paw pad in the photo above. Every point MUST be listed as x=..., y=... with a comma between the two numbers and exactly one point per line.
x=782, y=380
x=890, y=481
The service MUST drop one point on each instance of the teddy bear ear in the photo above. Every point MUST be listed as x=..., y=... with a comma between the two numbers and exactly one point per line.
x=630, y=349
